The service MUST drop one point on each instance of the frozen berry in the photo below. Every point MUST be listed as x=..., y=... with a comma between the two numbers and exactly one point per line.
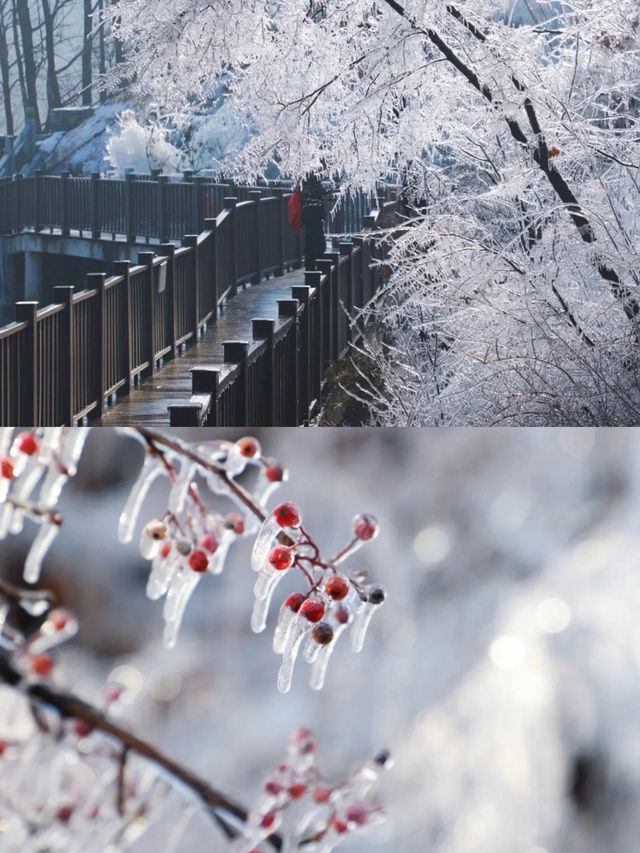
x=113, y=692
x=287, y=515
x=312, y=610
x=321, y=795
x=3, y=747
x=342, y=614
x=165, y=550
x=248, y=447
x=272, y=787
x=377, y=595
x=357, y=813
x=280, y=557
x=365, y=527
x=322, y=633
x=338, y=825
x=274, y=472
x=6, y=468
x=183, y=547
x=297, y=790
x=234, y=521
x=209, y=543
x=82, y=728
x=268, y=820
x=59, y=619
x=26, y=443
x=294, y=601
x=64, y=813
x=198, y=561
x=156, y=529
x=336, y=588
x=41, y=664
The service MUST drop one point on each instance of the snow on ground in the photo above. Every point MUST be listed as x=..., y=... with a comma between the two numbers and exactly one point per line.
x=502, y=671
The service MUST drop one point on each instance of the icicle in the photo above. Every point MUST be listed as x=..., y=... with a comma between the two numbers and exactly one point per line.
x=5, y=439
x=311, y=649
x=72, y=447
x=180, y=488
x=263, y=541
x=4, y=612
x=162, y=569
x=51, y=487
x=51, y=636
x=22, y=489
x=216, y=563
x=151, y=469
x=6, y=514
x=361, y=620
x=290, y=653
x=38, y=550
x=267, y=581
x=286, y=618
x=177, y=599
x=259, y=614
x=319, y=668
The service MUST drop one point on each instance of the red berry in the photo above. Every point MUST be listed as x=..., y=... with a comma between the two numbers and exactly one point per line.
x=26, y=443
x=274, y=472
x=234, y=522
x=59, y=619
x=365, y=527
x=321, y=795
x=272, y=787
x=82, y=728
x=113, y=693
x=41, y=664
x=287, y=515
x=165, y=550
x=342, y=615
x=280, y=557
x=312, y=610
x=6, y=468
x=294, y=601
x=209, y=543
x=268, y=820
x=3, y=746
x=64, y=813
x=248, y=447
x=338, y=825
x=198, y=561
x=357, y=813
x=336, y=588
x=296, y=791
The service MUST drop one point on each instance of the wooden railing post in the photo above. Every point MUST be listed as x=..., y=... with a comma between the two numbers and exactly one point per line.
x=163, y=208
x=230, y=203
x=27, y=312
x=37, y=188
x=255, y=196
x=97, y=281
x=289, y=308
x=335, y=303
x=96, y=224
x=262, y=330
x=185, y=415
x=131, y=225
x=64, y=296
x=145, y=259
x=191, y=240
x=236, y=352
x=327, y=300
x=64, y=194
x=169, y=251
x=19, y=212
x=123, y=268
x=346, y=250
x=281, y=213
x=210, y=225
x=317, y=338
x=187, y=177
x=205, y=380
x=302, y=293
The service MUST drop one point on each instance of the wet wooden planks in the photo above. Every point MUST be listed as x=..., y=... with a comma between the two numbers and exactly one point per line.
x=171, y=383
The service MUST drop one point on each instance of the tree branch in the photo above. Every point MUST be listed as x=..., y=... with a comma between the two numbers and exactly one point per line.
x=69, y=706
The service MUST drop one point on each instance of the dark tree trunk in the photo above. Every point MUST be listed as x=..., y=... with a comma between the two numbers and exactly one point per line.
x=28, y=57
x=5, y=76
x=87, y=70
x=53, y=88
x=16, y=45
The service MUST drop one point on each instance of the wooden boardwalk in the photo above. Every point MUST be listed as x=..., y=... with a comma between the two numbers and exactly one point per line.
x=147, y=403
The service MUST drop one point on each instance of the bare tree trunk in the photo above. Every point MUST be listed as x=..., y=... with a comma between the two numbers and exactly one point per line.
x=28, y=56
x=5, y=74
x=53, y=88
x=87, y=71
x=102, y=55
x=16, y=46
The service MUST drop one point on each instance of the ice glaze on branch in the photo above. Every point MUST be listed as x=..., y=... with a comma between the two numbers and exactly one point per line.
x=70, y=706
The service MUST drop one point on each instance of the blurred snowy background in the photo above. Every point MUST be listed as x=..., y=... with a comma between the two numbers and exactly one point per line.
x=503, y=671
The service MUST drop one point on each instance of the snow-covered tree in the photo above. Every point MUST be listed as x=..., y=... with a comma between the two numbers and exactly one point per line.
x=511, y=127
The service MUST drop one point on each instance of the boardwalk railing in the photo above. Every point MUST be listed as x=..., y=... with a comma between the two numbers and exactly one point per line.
x=62, y=363
x=273, y=379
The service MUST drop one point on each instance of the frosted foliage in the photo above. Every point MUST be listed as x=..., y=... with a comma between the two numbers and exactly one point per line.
x=513, y=297
x=140, y=147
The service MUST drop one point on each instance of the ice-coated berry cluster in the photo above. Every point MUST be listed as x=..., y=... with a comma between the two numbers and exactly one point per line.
x=314, y=619
x=306, y=810
x=39, y=460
